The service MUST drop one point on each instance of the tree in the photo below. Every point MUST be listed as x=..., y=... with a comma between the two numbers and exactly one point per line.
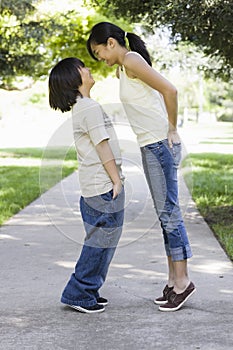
x=22, y=35
x=32, y=40
x=17, y=7
x=207, y=24
x=72, y=31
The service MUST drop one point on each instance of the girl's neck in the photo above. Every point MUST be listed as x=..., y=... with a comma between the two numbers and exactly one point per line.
x=121, y=55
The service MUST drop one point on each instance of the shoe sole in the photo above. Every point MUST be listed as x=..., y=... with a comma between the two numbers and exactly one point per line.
x=179, y=306
x=103, y=304
x=160, y=302
x=83, y=310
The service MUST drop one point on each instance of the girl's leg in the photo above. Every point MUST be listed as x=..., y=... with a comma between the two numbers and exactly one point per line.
x=181, y=279
x=171, y=277
x=160, y=166
x=177, y=275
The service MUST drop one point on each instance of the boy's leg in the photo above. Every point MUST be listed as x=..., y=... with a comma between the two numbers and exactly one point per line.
x=103, y=220
x=81, y=290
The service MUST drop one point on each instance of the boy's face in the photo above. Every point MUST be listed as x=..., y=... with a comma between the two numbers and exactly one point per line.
x=87, y=79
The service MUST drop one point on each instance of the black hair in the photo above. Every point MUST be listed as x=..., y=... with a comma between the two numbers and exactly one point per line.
x=104, y=30
x=64, y=81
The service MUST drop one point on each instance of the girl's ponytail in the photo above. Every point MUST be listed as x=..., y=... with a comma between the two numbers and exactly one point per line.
x=137, y=44
x=104, y=30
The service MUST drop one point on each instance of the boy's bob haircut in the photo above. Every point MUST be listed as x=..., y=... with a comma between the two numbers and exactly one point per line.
x=64, y=81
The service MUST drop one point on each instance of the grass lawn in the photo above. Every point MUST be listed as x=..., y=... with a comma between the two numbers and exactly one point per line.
x=212, y=190
x=211, y=173
x=21, y=184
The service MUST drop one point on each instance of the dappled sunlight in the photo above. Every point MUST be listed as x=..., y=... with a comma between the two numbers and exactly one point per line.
x=16, y=321
x=213, y=267
x=226, y=291
x=132, y=169
x=66, y=264
x=62, y=6
x=133, y=272
x=148, y=272
x=121, y=266
x=10, y=237
x=129, y=276
x=130, y=236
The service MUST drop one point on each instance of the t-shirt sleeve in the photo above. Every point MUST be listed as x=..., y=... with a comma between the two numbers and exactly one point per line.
x=94, y=124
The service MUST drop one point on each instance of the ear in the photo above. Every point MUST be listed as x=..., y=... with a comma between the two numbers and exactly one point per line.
x=111, y=42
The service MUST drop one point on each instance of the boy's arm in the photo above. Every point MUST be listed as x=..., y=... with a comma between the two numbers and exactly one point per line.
x=107, y=158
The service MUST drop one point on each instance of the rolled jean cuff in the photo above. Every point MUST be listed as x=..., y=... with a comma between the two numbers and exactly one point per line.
x=86, y=303
x=178, y=254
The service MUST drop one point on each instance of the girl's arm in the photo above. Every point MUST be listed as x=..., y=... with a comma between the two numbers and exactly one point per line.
x=107, y=158
x=137, y=67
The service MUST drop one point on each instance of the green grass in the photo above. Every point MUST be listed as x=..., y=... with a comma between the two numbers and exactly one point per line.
x=219, y=142
x=20, y=185
x=48, y=153
x=211, y=180
x=212, y=190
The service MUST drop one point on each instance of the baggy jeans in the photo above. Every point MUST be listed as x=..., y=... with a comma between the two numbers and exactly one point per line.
x=160, y=163
x=103, y=220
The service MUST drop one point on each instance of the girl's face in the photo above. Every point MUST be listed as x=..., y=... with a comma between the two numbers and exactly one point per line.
x=105, y=53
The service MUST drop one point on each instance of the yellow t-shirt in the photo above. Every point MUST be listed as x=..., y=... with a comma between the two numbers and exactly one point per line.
x=145, y=109
x=91, y=125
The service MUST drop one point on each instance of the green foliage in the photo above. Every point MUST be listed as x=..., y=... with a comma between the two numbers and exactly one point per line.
x=37, y=98
x=48, y=153
x=72, y=30
x=32, y=40
x=20, y=185
x=219, y=95
x=17, y=8
x=213, y=193
x=226, y=116
x=207, y=24
x=22, y=35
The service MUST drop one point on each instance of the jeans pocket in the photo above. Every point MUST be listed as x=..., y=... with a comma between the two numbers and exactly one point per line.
x=176, y=152
x=90, y=207
x=95, y=206
x=107, y=196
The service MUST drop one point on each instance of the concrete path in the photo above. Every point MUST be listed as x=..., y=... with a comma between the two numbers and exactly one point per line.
x=39, y=247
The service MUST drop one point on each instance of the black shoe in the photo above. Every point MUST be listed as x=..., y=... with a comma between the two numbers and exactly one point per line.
x=176, y=301
x=88, y=309
x=163, y=300
x=102, y=301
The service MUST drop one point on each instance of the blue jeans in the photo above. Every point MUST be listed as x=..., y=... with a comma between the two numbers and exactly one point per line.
x=103, y=220
x=160, y=165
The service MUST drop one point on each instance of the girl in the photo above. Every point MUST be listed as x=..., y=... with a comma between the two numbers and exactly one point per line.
x=150, y=102
x=100, y=177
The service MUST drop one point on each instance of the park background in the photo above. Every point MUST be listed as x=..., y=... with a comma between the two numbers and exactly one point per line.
x=191, y=45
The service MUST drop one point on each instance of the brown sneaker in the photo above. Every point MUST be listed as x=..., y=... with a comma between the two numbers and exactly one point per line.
x=163, y=300
x=175, y=301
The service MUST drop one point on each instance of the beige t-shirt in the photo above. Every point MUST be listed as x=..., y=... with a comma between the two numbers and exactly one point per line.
x=91, y=125
x=145, y=109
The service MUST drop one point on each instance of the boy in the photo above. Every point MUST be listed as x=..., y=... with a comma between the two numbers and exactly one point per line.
x=101, y=182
